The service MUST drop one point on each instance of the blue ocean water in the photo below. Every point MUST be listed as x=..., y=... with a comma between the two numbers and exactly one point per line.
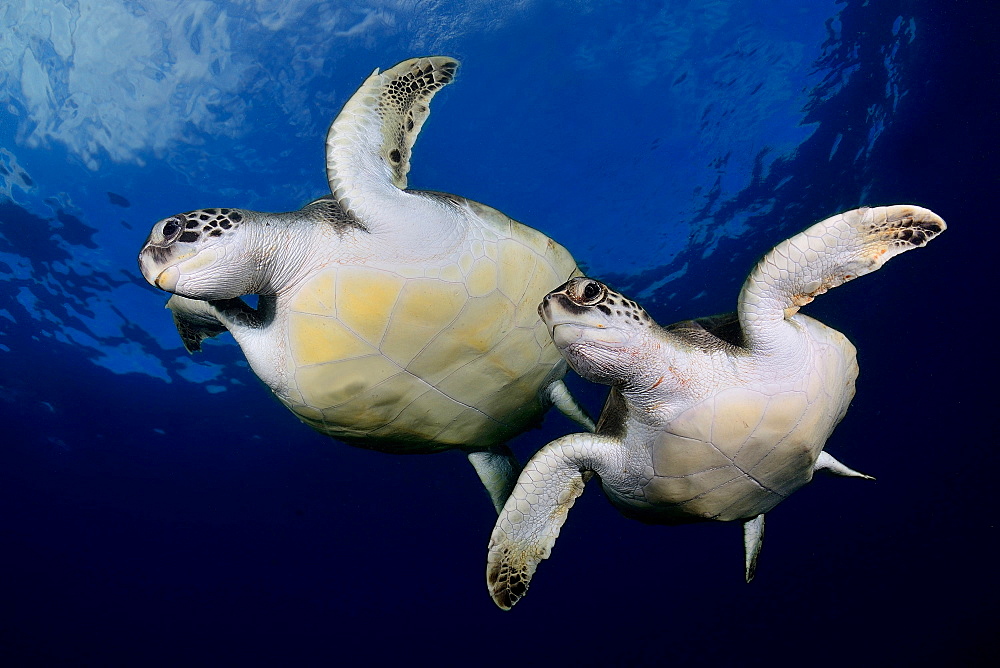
x=158, y=508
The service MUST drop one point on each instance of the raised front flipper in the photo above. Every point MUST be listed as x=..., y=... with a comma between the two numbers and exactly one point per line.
x=828, y=254
x=368, y=145
x=530, y=520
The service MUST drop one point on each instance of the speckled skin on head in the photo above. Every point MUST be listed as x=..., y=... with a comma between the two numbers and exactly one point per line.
x=718, y=418
x=392, y=319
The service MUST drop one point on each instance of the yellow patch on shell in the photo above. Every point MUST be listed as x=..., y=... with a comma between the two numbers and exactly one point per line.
x=471, y=426
x=328, y=385
x=465, y=262
x=509, y=404
x=482, y=277
x=318, y=296
x=684, y=489
x=536, y=241
x=425, y=309
x=365, y=299
x=379, y=403
x=512, y=358
x=676, y=455
x=790, y=466
x=738, y=411
x=452, y=273
x=315, y=339
x=428, y=357
x=434, y=413
x=777, y=421
x=482, y=322
x=542, y=281
x=515, y=262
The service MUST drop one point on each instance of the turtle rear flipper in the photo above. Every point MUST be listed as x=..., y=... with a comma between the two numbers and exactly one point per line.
x=497, y=469
x=827, y=462
x=753, y=539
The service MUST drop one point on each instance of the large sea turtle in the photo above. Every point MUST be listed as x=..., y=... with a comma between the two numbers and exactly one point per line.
x=719, y=418
x=393, y=319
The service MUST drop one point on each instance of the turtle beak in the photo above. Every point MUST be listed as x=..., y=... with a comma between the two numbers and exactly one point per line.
x=557, y=306
x=151, y=260
x=570, y=323
x=167, y=279
x=545, y=310
x=565, y=334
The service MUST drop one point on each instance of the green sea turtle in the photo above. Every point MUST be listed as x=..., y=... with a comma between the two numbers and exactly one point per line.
x=392, y=319
x=719, y=418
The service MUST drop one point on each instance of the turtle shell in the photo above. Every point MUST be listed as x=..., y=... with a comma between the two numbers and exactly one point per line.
x=740, y=451
x=427, y=357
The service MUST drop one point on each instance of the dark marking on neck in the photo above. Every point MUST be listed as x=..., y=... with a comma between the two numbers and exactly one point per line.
x=614, y=415
x=711, y=332
x=241, y=313
x=328, y=210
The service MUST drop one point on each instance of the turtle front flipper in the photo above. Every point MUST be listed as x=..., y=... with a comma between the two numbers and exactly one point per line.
x=828, y=254
x=530, y=520
x=197, y=320
x=368, y=145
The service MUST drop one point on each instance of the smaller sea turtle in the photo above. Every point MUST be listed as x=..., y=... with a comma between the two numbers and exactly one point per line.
x=718, y=418
x=393, y=319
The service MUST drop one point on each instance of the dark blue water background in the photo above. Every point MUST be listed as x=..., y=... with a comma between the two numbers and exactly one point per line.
x=162, y=509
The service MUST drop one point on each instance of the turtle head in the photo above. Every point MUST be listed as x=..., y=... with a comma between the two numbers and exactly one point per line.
x=596, y=329
x=201, y=254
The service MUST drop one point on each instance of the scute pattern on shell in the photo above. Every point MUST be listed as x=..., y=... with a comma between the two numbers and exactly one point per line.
x=445, y=355
x=743, y=450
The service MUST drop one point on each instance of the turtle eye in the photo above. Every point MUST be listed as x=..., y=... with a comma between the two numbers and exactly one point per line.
x=590, y=293
x=170, y=229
